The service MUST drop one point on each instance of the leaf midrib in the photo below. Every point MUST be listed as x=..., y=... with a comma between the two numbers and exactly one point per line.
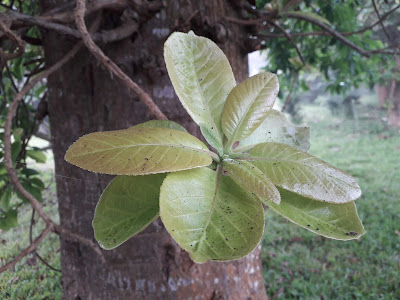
x=217, y=183
x=205, y=104
x=144, y=145
x=298, y=162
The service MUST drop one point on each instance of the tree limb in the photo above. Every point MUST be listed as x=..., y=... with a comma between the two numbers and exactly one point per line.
x=110, y=65
x=32, y=247
x=380, y=20
x=8, y=160
x=125, y=30
x=19, y=42
x=328, y=29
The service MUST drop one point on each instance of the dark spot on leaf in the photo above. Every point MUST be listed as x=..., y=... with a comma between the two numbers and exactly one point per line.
x=352, y=233
x=308, y=225
x=146, y=158
x=317, y=229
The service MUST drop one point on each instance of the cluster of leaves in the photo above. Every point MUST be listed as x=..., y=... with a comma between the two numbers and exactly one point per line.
x=13, y=76
x=342, y=67
x=211, y=202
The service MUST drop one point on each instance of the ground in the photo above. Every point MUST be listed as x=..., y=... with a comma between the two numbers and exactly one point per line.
x=297, y=264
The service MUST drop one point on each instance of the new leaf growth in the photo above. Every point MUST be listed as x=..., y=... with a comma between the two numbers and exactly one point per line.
x=214, y=211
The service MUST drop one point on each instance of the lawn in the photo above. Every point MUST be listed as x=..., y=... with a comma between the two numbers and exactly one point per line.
x=300, y=265
x=297, y=264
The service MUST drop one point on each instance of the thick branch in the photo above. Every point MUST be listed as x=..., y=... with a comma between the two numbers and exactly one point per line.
x=119, y=33
x=110, y=65
x=68, y=16
x=331, y=31
x=20, y=44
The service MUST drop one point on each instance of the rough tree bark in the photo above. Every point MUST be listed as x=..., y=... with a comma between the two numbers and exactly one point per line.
x=84, y=98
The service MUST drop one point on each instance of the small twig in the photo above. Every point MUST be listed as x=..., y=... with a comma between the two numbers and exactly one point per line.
x=288, y=98
x=249, y=22
x=11, y=35
x=33, y=246
x=380, y=20
x=35, y=251
x=109, y=64
x=290, y=39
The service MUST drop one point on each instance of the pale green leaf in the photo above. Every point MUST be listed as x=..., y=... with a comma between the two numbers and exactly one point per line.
x=138, y=151
x=335, y=221
x=251, y=179
x=37, y=155
x=247, y=106
x=5, y=197
x=303, y=173
x=308, y=14
x=160, y=124
x=210, y=216
x=276, y=128
x=211, y=138
x=127, y=206
x=8, y=219
x=201, y=75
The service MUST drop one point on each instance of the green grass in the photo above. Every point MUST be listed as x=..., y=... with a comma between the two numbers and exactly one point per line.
x=297, y=264
x=300, y=265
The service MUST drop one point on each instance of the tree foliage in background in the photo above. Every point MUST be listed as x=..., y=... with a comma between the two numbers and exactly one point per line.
x=16, y=74
x=341, y=66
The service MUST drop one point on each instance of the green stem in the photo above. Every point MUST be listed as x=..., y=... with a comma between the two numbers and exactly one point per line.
x=214, y=156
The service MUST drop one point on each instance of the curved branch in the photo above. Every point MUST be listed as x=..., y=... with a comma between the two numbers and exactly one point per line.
x=119, y=33
x=32, y=247
x=328, y=29
x=8, y=160
x=20, y=44
x=109, y=64
x=380, y=20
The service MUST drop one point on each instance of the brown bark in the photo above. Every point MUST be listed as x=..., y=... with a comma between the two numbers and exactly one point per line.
x=84, y=98
x=394, y=106
x=390, y=95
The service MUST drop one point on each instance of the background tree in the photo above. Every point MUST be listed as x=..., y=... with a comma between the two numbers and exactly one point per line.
x=85, y=94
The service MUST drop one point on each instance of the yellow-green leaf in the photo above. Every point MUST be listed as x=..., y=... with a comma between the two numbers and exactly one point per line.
x=276, y=128
x=127, y=206
x=335, y=221
x=308, y=14
x=138, y=151
x=210, y=216
x=303, y=173
x=201, y=75
x=247, y=106
x=160, y=124
x=37, y=155
x=251, y=179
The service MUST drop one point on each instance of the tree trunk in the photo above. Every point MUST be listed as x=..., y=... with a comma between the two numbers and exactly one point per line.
x=394, y=94
x=84, y=98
